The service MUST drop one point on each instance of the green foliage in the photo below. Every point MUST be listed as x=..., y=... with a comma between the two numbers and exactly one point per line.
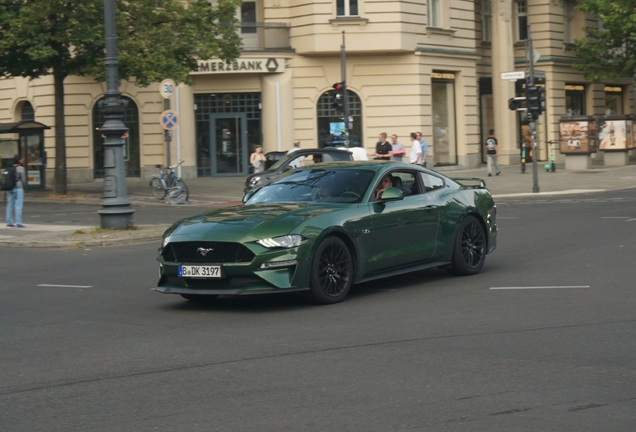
x=156, y=39
x=608, y=51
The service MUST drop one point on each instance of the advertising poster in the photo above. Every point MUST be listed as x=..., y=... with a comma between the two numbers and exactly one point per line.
x=615, y=134
x=577, y=136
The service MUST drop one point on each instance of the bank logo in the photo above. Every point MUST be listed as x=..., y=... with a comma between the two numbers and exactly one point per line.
x=271, y=65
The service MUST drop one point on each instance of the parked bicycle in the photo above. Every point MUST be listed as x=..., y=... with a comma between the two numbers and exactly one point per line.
x=167, y=182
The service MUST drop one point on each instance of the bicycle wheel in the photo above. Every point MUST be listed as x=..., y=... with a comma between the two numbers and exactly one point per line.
x=157, y=188
x=184, y=188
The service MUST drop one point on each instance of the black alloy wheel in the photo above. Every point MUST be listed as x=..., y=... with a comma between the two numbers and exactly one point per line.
x=331, y=272
x=469, y=252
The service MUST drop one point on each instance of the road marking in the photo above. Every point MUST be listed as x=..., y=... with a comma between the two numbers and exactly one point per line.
x=539, y=287
x=65, y=286
x=630, y=220
x=615, y=217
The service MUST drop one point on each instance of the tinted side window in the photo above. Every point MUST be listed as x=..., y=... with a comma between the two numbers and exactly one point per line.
x=431, y=182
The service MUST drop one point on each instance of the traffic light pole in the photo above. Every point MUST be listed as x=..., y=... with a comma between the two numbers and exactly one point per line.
x=343, y=78
x=533, y=125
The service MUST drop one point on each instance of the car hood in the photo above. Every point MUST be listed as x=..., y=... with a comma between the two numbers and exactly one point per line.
x=248, y=222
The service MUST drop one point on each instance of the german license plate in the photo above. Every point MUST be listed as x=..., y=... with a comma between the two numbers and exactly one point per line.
x=207, y=271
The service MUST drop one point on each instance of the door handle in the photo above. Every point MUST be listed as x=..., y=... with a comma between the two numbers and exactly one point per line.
x=430, y=207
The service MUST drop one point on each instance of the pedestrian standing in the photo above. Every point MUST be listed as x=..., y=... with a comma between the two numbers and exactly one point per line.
x=257, y=159
x=15, y=196
x=299, y=161
x=398, y=149
x=415, y=157
x=424, y=146
x=492, y=152
x=383, y=149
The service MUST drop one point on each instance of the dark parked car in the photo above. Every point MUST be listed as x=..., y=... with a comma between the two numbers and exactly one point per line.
x=321, y=228
x=294, y=160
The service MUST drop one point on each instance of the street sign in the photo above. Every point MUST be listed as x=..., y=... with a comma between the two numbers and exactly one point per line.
x=535, y=56
x=166, y=88
x=513, y=76
x=169, y=120
x=517, y=75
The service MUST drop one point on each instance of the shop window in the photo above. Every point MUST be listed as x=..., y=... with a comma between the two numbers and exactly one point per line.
x=522, y=20
x=444, y=136
x=574, y=99
x=486, y=21
x=613, y=100
x=331, y=123
x=211, y=110
x=347, y=8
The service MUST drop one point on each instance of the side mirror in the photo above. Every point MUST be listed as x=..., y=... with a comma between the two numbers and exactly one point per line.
x=392, y=194
x=249, y=195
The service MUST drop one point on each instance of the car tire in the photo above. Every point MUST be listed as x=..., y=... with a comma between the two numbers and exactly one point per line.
x=198, y=298
x=331, y=274
x=469, y=252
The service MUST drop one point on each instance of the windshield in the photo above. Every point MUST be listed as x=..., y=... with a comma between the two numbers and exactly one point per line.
x=280, y=162
x=317, y=185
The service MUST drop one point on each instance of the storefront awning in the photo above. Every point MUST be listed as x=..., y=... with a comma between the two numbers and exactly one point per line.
x=23, y=126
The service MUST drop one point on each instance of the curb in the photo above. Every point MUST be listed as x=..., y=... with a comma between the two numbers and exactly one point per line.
x=152, y=233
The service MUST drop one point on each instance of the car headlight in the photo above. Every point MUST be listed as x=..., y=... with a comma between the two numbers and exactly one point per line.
x=288, y=241
x=254, y=180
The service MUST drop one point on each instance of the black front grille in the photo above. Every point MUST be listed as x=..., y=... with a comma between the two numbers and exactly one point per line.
x=215, y=252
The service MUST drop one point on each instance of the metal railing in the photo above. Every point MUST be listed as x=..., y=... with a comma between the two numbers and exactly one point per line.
x=262, y=36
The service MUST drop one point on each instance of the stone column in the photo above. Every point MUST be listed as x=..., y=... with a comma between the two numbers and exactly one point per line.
x=503, y=60
x=269, y=113
x=186, y=130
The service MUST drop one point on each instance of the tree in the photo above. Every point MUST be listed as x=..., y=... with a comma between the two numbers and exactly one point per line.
x=156, y=39
x=609, y=50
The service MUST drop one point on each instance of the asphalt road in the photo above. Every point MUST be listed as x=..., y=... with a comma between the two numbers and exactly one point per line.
x=424, y=351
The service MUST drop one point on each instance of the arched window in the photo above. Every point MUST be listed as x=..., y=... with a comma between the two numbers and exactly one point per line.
x=27, y=113
x=131, y=142
x=331, y=122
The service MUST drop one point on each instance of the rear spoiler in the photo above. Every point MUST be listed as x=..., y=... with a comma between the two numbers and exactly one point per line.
x=471, y=182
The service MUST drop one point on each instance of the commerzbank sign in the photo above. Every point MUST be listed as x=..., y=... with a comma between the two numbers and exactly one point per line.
x=240, y=65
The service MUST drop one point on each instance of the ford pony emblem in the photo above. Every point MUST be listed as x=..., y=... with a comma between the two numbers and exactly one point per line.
x=204, y=251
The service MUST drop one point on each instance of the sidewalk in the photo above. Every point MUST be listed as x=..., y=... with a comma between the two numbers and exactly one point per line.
x=227, y=191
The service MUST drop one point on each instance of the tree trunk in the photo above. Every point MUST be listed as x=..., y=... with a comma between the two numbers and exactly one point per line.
x=60, y=136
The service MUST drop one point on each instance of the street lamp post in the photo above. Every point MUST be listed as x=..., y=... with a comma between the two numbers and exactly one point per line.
x=116, y=212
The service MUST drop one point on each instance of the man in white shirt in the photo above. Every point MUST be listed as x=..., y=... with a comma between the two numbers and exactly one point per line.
x=299, y=161
x=416, y=150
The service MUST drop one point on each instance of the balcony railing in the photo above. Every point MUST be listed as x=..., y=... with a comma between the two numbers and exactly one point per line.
x=262, y=36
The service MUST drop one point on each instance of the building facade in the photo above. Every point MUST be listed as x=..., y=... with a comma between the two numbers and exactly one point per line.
x=432, y=66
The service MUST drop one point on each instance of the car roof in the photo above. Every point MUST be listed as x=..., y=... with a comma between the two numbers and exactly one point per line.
x=319, y=150
x=375, y=165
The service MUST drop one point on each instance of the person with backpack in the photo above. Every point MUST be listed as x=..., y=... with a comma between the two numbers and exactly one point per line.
x=15, y=196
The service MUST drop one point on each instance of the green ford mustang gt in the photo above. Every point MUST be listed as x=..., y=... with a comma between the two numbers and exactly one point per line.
x=322, y=228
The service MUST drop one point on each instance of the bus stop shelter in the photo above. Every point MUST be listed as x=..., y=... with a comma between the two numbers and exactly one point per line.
x=25, y=138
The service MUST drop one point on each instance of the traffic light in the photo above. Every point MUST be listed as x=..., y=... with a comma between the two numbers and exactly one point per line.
x=338, y=97
x=535, y=97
